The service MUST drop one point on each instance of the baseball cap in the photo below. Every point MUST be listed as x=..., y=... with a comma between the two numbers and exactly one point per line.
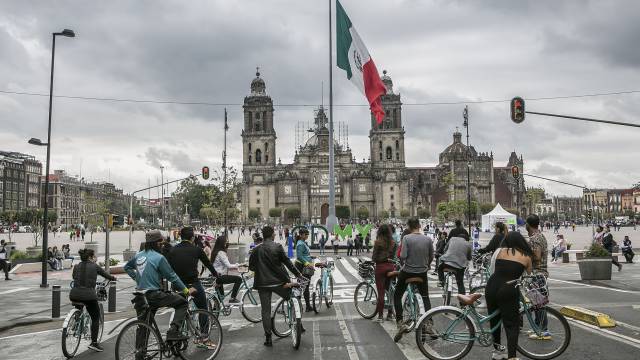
x=153, y=236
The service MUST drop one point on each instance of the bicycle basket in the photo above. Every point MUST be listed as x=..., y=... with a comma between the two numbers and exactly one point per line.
x=101, y=293
x=365, y=270
x=302, y=284
x=537, y=291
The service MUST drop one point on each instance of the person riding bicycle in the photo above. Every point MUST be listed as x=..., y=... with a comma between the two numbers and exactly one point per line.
x=222, y=265
x=304, y=260
x=496, y=240
x=148, y=268
x=457, y=254
x=416, y=257
x=268, y=262
x=85, y=275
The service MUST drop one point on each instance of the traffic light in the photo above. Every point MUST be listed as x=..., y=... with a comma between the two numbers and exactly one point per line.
x=205, y=172
x=515, y=172
x=129, y=220
x=517, y=110
x=110, y=221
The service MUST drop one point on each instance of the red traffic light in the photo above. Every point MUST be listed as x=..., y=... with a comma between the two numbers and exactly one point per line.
x=515, y=172
x=205, y=172
x=517, y=110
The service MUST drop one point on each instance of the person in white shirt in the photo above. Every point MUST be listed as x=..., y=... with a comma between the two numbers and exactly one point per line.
x=222, y=265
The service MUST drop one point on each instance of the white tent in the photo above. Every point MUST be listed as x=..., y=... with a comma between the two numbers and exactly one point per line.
x=497, y=214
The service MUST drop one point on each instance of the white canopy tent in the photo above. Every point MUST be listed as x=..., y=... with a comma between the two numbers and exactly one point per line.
x=498, y=214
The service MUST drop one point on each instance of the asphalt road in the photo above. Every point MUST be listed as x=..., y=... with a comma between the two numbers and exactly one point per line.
x=340, y=333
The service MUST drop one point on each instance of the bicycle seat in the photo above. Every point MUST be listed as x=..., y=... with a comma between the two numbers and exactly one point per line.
x=139, y=292
x=290, y=285
x=79, y=305
x=392, y=274
x=468, y=299
x=414, y=280
x=321, y=265
x=449, y=270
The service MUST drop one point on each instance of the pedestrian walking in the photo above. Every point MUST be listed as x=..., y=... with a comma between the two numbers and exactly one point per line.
x=608, y=243
x=82, y=232
x=5, y=258
x=367, y=242
x=322, y=243
x=334, y=243
x=358, y=244
x=627, y=250
x=349, y=246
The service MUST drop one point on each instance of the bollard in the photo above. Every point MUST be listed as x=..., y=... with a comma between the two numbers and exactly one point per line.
x=111, y=307
x=55, y=301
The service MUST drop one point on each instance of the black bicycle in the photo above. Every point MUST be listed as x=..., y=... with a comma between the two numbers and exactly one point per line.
x=142, y=339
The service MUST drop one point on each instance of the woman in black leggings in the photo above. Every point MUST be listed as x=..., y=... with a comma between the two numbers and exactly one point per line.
x=513, y=259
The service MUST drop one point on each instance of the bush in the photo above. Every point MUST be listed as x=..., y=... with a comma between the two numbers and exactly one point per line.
x=363, y=213
x=343, y=212
x=112, y=262
x=596, y=251
x=275, y=212
x=254, y=214
x=424, y=213
x=404, y=213
x=21, y=255
x=293, y=213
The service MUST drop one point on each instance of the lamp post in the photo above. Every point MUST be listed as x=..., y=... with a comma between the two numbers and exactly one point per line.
x=465, y=115
x=37, y=142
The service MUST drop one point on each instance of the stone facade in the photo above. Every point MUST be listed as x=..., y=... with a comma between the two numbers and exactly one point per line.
x=19, y=181
x=382, y=184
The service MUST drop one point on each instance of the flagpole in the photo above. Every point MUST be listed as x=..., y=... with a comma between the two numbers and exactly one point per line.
x=331, y=219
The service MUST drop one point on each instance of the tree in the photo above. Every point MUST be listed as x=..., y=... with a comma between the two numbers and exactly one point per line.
x=343, y=212
x=486, y=207
x=423, y=213
x=384, y=214
x=404, y=213
x=254, y=214
x=363, y=213
x=292, y=213
x=36, y=223
x=275, y=212
x=194, y=195
x=209, y=213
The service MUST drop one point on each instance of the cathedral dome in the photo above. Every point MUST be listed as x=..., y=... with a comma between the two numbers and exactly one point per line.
x=258, y=86
x=388, y=83
x=457, y=147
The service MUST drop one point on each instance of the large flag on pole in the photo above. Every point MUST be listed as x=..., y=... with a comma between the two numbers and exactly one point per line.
x=353, y=57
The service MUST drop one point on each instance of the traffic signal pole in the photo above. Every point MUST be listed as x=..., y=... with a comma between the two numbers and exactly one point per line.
x=584, y=119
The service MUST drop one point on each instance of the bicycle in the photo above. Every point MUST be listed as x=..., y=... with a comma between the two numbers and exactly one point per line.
x=447, y=285
x=465, y=326
x=141, y=339
x=291, y=313
x=249, y=308
x=77, y=323
x=480, y=274
x=412, y=305
x=324, y=286
x=365, y=297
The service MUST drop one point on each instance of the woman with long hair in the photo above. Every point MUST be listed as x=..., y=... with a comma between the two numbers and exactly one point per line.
x=222, y=265
x=514, y=257
x=383, y=255
x=496, y=240
x=85, y=275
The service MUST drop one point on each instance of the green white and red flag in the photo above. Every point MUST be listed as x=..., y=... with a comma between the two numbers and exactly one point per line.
x=353, y=57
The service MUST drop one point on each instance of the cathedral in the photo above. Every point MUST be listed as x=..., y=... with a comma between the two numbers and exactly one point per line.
x=381, y=186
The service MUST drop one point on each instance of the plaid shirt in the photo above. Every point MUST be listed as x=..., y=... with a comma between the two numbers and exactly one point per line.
x=538, y=244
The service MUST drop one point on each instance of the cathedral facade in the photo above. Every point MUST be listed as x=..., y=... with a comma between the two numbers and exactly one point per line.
x=383, y=185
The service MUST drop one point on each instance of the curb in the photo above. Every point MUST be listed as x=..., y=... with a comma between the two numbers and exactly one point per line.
x=588, y=316
x=15, y=324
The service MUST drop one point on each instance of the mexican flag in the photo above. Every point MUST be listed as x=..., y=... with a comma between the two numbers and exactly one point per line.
x=353, y=57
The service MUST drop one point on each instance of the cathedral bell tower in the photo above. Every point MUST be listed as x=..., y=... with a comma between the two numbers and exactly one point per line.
x=258, y=135
x=387, y=139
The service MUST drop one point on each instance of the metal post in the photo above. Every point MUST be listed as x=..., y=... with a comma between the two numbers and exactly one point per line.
x=465, y=114
x=224, y=176
x=106, y=245
x=45, y=216
x=331, y=219
x=55, y=301
x=111, y=307
x=131, y=217
x=162, y=195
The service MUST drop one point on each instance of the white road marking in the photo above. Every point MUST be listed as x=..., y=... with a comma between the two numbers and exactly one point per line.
x=596, y=286
x=351, y=349
x=13, y=290
x=607, y=333
x=317, y=345
x=338, y=278
x=347, y=265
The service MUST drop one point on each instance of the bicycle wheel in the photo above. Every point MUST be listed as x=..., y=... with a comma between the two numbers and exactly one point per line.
x=365, y=299
x=539, y=342
x=138, y=340
x=477, y=279
x=213, y=304
x=296, y=332
x=318, y=296
x=411, y=310
x=205, y=336
x=329, y=292
x=280, y=321
x=71, y=333
x=250, y=308
x=480, y=304
x=445, y=334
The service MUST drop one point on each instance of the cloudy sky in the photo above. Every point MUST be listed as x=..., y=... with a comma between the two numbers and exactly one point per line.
x=207, y=51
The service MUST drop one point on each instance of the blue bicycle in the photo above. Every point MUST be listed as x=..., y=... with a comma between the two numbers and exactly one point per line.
x=324, y=286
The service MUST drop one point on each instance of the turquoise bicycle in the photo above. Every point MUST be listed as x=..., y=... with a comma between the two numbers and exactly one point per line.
x=324, y=286
x=250, y=306
x=77, y=323
x=449, y=333
x=287, y=316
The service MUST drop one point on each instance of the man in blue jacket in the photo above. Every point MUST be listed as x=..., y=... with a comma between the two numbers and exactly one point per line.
x=148, y=268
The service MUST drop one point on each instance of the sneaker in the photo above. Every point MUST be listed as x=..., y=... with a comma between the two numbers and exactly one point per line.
x=174, y=335
x=619, y=267
x=308, y=308
x=267, y=341
x=402, y=328
x=390, y=317
x=499, y=352
x=234, y=301
x=379, y=319
x=544, y=336
x=95, y=347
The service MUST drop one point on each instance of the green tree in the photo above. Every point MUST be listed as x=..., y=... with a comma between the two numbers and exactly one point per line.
x=423, y=213
x=363, y=213
x=209, y=213
x=343, y=212
x=275, y=212
x=292, y=213
x=384, y=214
x=404, y=213
x=486, y=207
x=254, y=214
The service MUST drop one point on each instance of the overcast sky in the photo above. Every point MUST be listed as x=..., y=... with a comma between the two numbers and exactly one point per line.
x=207, y=51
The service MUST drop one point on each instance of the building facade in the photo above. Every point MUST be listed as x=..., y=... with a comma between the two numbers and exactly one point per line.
x=19, y=181
x=381, y=186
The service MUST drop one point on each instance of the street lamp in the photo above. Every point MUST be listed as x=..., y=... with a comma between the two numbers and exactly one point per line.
x=38, y=142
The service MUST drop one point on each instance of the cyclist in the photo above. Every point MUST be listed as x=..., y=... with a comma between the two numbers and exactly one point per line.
x=496, y=240
x=268, y=261
x=416, y=256
x=222, y=265
x=85, y=275
x=457, y=254
x=304, y=260
x=383, y=254
x=148, y=268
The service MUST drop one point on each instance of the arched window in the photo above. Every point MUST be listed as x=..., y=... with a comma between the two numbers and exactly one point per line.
x=249, y=146
x=258, y=156
x=389, y=153
x=397, y=145
x=249, y=158
x=380, y=156
x=380, y=145
x=266, y=147
x=250, y=115
x=266, y=158
x=258, y=124
x=398, y=156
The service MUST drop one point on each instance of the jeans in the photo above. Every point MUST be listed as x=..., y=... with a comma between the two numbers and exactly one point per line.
x=349, y=250
x=265, y=304
x=459, y=274
x=401, y=286
x=4, y=265
x=557, y=253
x=321, y=248
x=94, y=312
x=230, y=279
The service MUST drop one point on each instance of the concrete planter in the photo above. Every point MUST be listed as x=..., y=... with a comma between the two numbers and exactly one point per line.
x=34, y=252
x=128, y=255
x=93, y=246
x=595, y=268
